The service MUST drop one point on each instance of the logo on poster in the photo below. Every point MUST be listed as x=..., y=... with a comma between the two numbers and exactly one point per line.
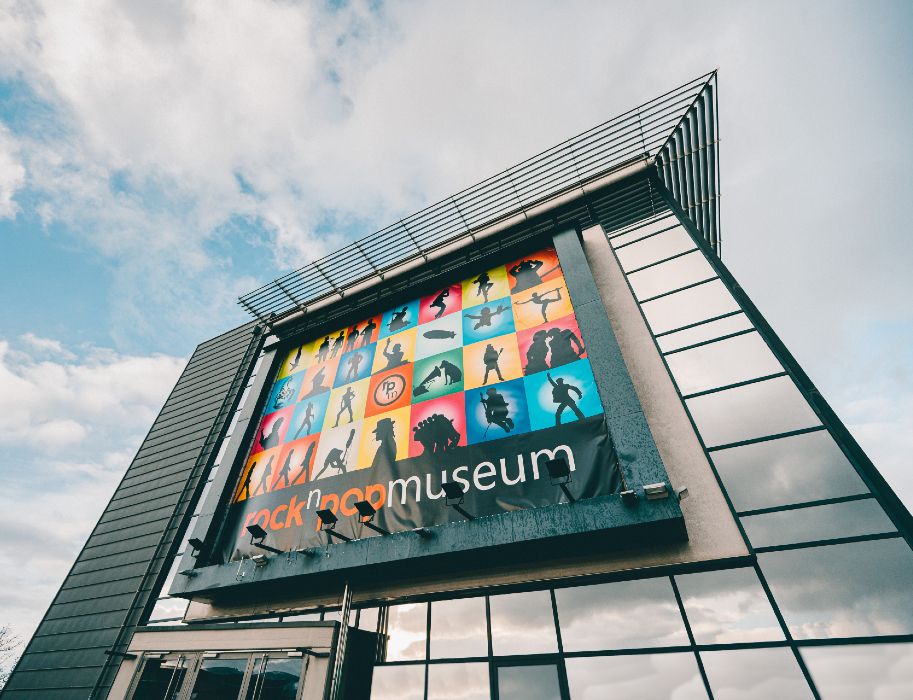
x=389, y=390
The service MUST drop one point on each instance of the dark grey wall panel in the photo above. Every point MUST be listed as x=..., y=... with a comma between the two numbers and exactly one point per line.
x=113, y=584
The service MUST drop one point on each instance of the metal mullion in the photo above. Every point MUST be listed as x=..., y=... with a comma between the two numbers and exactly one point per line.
x=638, y=240
x=806, y=504
x=766, y=438
x=735, y=334
x=658, y=262
x=690, y=633
x=679, y=289
x=828, y=542
x=699, y=323
x=736, y=385
x=705, y=146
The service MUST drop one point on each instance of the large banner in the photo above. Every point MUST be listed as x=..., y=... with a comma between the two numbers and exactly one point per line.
x=479, y=383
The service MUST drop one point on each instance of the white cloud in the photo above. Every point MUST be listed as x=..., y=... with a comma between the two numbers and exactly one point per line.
x=12, y=174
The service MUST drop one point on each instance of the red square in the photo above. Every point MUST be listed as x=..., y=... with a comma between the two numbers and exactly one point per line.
x=532, y=270
x=272, y=430
x=549, y=351
x=442, y=303
x=438, y=425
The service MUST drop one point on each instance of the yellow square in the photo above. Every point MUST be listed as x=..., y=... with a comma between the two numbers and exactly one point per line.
x=483, y=362
x=486, y=286
x=297, y=360
x=347, y=404
x=388, y=355
x=384, y=439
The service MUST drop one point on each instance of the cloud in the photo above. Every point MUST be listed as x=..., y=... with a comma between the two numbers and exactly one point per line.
x=12, y=174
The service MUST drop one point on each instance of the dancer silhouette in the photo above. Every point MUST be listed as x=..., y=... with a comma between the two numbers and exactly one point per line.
x=263, y=484
x=296, y=361
x=526, y=274
x=323, y=349
x=561, y=395
x=485, y=316
x=490, y=358
x=345, y=404
x=306, y=462
x=439, y=303
x=536, y=354
x=542, y=301
x=398, y=320
x=284, y=471
x=484, y=286
x=308, y=418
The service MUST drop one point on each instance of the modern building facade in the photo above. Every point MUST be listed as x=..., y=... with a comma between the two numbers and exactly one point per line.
x=531, y=442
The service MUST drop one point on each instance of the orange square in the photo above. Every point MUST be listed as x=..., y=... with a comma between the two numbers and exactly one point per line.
x=543, y=304
x=389, y=390
x=295, y=462
x=319, y=378
x=532, y=270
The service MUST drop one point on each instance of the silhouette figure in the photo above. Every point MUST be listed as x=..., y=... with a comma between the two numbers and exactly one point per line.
x=565, y=346
x=526, y=274
x=485, y=316
x=394, y=357
x=490, y=358
x=337, y=344
x=285, y=396
x=245, y=485
x=450, y=373
x=398, y=320
x=436, y=434
x=263, y=484
x=561, y=395
x=536, y=354
x=386, y=449
x=305, y=463
x=352, y=338
x=345, y=404
x=323, y=349
x=367, y=332
x=439, y=303
x=284, y=471
x=352, y=363
x=336, y=458
x=497, y=411
x=295, y=362
x=307, y=421
x=317, y=380
x=484, y=285
x=272, y=438
x=542, y=301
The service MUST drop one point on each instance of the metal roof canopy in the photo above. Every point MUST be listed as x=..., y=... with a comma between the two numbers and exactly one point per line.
x=677, y=133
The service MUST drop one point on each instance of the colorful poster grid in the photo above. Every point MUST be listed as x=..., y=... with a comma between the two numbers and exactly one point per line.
x=491, y=357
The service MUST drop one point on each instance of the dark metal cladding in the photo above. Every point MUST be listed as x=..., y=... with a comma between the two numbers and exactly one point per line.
x=114, y=581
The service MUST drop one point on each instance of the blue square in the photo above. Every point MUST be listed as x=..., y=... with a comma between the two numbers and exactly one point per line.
x=505, y=416
x=308, y=416
x=285, y=393
x=401, y=318
x=355, y=365
x=572, y=396
x=487, y=321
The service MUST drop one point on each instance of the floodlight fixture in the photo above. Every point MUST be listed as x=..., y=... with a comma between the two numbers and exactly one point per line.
x=366, y=513
x=328, y=521
x=260, y=560
x=257, y=535
x=559, y=471
x=197, y=545
x=453, y=498
x=656, y=492
x=423, y=532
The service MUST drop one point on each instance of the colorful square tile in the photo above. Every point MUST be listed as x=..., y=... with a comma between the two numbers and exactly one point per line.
x=437, y=426
x=496, y=412
x=437, y=376
x=285, y=392
x=439, y=336
x=487, y=321
x=294, y=463
x=253, y=482
x=308, y=416
x=550, y=345
x=394, y=351
x=399, y=319
x=297, y=359
x=389, y=390
x=354, y=365
x=486, y=286
x=337, y=451
x=543, y=304
x=491, y=361
x=532, y=270
x=272, y=430
x=318, y=379
x=440, y=303
x=562, y=395
x=384, y=439
x=347, y=404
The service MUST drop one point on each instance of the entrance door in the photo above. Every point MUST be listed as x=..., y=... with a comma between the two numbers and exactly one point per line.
x=539, y=678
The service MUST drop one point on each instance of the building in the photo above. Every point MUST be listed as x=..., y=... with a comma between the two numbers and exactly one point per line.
x=533, y=441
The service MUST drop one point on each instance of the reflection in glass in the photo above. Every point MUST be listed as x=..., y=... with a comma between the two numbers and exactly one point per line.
x=398, y=683
x=790, y=470
x=722, y=363
x=528, y=682
x=168, y=609
x=623, y=615
x=367, y=619
x=636, y=677
x=275, y=679
x=755, y=674
x=818, y=523
x=690, y=306
x=161, y=679
x=635, y=234
x=406, y=631
x=674, y=274
x=663, y=245
x=219, y=679
x=728, y=606
x=522, y=623
x=843, y=590
x=705, y=331
x=458, y=628
x=882, y=671
x=458, y=681
x=756, y=410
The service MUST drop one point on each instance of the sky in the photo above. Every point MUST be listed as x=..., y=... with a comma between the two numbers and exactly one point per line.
x=159, y=159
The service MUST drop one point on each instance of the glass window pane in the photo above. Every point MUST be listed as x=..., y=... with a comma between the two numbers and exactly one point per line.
x=458, y=628
x=657, y=247
x=303, y=617
x=724, y=607
x=637, y=677
x=790, y=470
x=623, y=615
x=277, y=681
x=870, y=671
x=690, y=306
x=172, y=572
x=458, y=682
x=406, y=631
x=528, y=682
x=168, y=608
x=639, y=232
x=367, y=619
x=843, y=590
x=523, y=623
x=398, y=683
x=818, y=523
x=219, y=679
x=674, y=274
x=722, y=363
x=161, y=679
x=746, y=412
x=755, y=674
x=705, y=331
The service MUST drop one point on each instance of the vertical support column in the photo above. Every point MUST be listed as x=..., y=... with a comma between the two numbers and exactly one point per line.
x=341, y=638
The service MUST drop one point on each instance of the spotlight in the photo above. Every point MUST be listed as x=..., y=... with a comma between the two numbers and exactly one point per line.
x=656, y=492
x=328, y=521
x=260, y=560
x=259, y=534
x=453, y=498
x=629, y=497
x=366, y=513
x=197, y=545
x=559, y=471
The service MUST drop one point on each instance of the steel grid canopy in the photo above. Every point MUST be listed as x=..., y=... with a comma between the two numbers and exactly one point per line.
x=676, y=133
